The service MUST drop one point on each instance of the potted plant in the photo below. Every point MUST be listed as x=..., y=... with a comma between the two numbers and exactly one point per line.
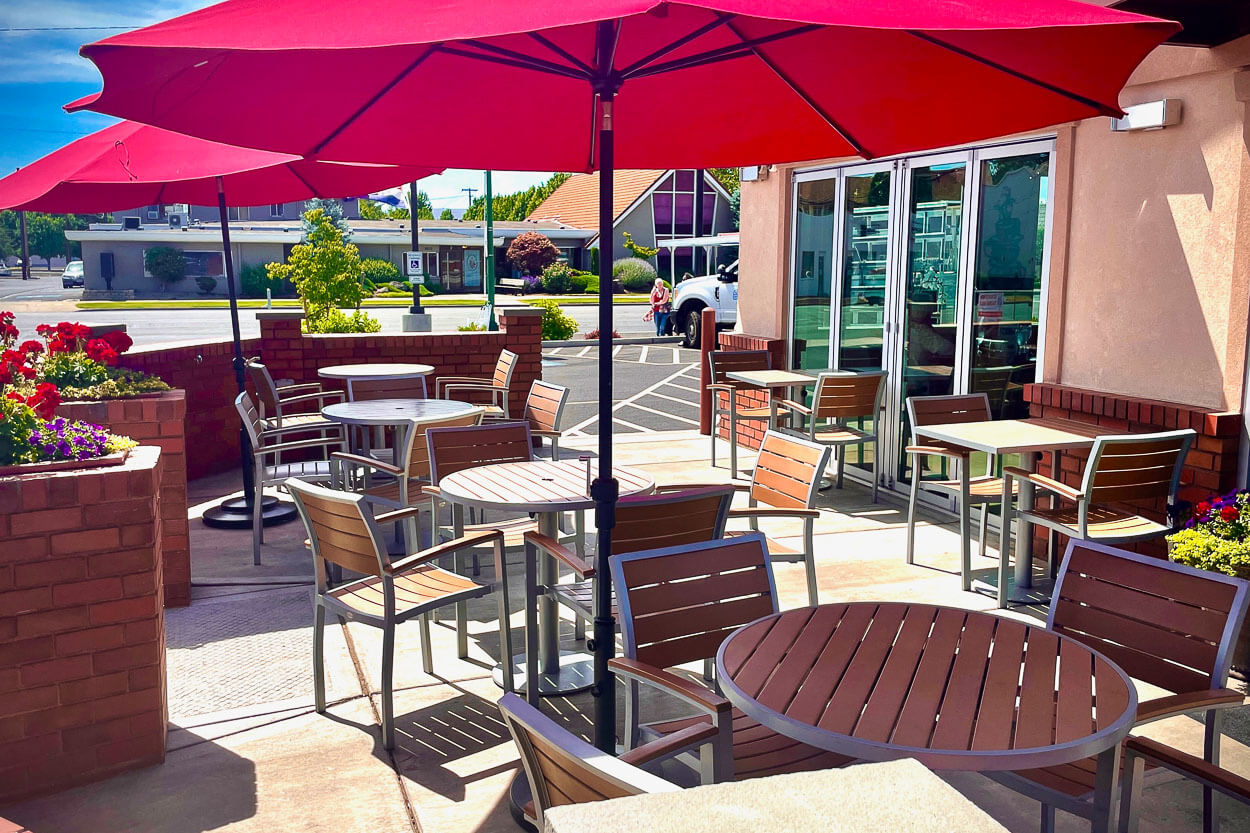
x=1216, y=537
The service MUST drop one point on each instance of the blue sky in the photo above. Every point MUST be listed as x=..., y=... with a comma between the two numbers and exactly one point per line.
x=40, y=70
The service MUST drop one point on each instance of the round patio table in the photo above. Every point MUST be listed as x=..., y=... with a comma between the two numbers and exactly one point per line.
x=546, y=489
x=952, y=688
x=351, y=373
x=395, y=413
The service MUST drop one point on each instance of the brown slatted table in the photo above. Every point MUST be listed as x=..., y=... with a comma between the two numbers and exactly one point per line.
x=952, y=688
x=545, y=488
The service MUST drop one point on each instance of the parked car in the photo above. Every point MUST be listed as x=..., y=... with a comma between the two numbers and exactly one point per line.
x=692, y=296
x=5, y=272
x=73, y=274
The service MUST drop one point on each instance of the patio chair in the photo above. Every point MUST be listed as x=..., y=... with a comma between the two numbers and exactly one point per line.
x=362, y=390
x=784, y=485
x=672, y=518
x=498, y=386
x=721, y=363
x=283, y=406
x=676, y=606
x=1122, y=467
x=1167, y=625
x=544, y=407
x=267, y=466
x=343, y=533
x=980, y=490
x=1141, y=752
x=839, y=397
x=564, y=769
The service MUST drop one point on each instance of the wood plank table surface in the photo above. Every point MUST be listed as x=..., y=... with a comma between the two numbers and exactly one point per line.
x=1027, y=438
x=952, y=688
x=545, y=488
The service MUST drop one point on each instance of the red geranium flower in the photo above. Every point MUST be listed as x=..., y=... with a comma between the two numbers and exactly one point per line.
x=98, y=350
x=31, y=347
x=1203, y=507
x=45, y=330
x=118, y=340
x=45, y=400
x=1229, y=513
x=15, y=396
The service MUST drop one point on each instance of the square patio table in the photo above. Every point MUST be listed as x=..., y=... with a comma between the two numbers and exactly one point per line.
x=772, y=380
x=1027, y=438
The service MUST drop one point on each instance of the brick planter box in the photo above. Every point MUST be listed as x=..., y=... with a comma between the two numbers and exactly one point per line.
x=157, y=420
x=82, y=626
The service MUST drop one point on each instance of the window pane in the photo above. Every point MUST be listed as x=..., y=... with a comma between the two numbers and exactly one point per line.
x=683, y=221
x=709, y=209
x=685, y=180
x=865, y=243
x=813, y=262
x=662, y=205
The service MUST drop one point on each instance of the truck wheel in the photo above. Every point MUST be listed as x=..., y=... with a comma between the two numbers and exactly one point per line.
x=690, y=327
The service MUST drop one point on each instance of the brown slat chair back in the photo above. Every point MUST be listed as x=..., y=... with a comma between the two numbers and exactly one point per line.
x=691, y=516
x=846, y=396
x=678, y=604
x=1165, y=624
x=263, y=384
x=721, y=362
x=455, y=449
x=1139, y=467
x=787, y=471
x=362, y=390
x=337, y=529
x=503, y=368
x=419, y=448
x=948, y=410
x=564, y=769
x=248, y=413
x=544, y=405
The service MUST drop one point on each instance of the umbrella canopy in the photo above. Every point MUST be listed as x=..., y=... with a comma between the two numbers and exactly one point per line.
x=128, y=164
x=709, y=84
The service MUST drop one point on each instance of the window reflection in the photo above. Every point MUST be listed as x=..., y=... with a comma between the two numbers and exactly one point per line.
x=813, y=265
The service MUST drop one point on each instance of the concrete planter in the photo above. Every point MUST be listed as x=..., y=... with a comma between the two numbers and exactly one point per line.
x=82, y=625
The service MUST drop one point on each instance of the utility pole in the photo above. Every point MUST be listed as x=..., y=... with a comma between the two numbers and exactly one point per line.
x=489, y=265
x=471, y=192
x=21, y=222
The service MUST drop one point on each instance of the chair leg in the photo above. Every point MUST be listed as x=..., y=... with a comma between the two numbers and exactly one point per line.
x=505, y=621
x=876, y=479
x=715, y=419
x=1048, y=819
x=258, y=526
x=841, y=464
x=388, y=670
x=965, y=530
x=1052, y=565
x=462, y=608
x=911, y=514
x=1004, y=543
x=733, y=438
x=809, y=561
x=631, y=715
x=531, y=624
x=985, y=527
x=1130, y=791
x=319, y=662
x=555, y=449
x=1211, y=748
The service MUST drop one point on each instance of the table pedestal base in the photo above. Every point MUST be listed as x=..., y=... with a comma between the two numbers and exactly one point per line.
x=1038, y=594
x=518, y=796
x=575, y=673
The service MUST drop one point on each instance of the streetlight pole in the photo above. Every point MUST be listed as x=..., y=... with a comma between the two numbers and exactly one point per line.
x=21, y=221
x=415, y=309
x=489, y=264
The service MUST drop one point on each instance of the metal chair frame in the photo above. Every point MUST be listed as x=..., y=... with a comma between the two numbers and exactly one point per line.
x=832, y=417
x=498, y=386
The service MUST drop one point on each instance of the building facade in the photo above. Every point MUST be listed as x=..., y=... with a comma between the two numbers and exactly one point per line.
x=154, y=214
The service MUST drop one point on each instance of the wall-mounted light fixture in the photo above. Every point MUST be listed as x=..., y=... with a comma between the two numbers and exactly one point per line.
x=755, y=173
x=1152, y=115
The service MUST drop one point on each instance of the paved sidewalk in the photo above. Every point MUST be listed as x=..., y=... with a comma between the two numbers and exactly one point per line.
x=247, y=752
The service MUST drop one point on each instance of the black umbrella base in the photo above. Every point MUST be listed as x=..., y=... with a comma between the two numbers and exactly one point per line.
x=236, y=513
x=518, y=796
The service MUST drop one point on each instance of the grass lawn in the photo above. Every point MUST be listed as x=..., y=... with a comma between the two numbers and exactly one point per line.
x=289, y=303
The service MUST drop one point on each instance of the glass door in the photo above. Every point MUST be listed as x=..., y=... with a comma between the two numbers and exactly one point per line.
x=813, y=272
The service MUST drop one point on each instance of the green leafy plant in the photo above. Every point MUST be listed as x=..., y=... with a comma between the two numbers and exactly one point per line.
x=594, y=260
x=1215, y=536
x=592, y=284
x=336, y=321
x=557, y=279
x=17, y=423
x=556, y=324
x=327, y=275
x=165, y=264
x=254, y=280
x=206, y=283
x=532, y=252
x=472, y=327
x=580, y=281
x=637, y=249
x=635, y=274
x=378, y=271
x=330, y=209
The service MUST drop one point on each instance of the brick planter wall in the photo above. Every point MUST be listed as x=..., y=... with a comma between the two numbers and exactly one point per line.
x=750, y=433
x=155, y=420
x=1210, y=467
x=82, y=627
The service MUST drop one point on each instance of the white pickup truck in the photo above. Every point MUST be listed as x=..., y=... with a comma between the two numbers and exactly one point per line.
x=693, y=295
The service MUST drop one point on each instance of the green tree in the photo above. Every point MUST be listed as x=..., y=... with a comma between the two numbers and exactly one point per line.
x=165, y=264
x=326, y=271
x=446, y=214
x=516, y=206
x=331, y=210
x=10, y=246
x=46, y=233
x=729, y=178
x=735, y=207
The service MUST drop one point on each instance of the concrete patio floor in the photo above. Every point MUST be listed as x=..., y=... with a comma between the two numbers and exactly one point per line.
x=248, y=753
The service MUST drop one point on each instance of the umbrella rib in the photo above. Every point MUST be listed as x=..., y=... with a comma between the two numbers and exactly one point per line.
x=694, y=61
x=562, y=52
x=311, y=190
x=390, y=85
x=521, y=59
x=1015, y=73
x=737, y=50
x=721, y=20
x=797, y=90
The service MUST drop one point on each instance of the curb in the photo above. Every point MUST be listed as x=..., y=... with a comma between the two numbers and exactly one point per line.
x=582, y=342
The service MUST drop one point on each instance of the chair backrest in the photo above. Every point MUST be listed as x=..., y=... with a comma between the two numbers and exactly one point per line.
x=455, y=449
x=361, y=390
x=248, y=413
x=1164, y=623
x=787, y=471
x=673, y=519
x=266, y=390
x=678, y=604
x=564, y=769
x=721, y=362
x=417, y=448
x=1136, y=467
x=545, y=405
x=848, y=395
x=502, y=377
x=338, y=529
x=948, y=410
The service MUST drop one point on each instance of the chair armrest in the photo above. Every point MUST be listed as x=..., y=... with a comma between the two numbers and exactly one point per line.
x=312, y=397
x=558, y=551
x=670, y=745
x=696, y=695
x=476, y=385
x=795, y=406
x=464, y=542
x=1192, y=701
x=772, y=512
x=1190, y=766
x=939, y=451
x=368, y=462
x=443, y=380
x=319, y=441
x=432, y=491
x=721, y=386
x=1045, y=482
x=681, y=487
x=295, y=389
x=306, y=428
x=536, y=432
x=399, y=514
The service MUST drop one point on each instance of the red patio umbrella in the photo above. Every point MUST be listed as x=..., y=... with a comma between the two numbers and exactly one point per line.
x=554, y=85
x=129, y=164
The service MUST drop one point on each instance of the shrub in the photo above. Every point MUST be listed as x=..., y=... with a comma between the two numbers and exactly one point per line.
x=472, y=327
x=206, y=283
x=335, y=321
x=377, y=271
x=592, y=284
x=635, y=274
x=594, y=260
x=165, y=264
x=579, y=281
x=254, y=280
x=327, y=275
x=638, y=250
x=557, y=325
x=532, y=252
x=557, y=279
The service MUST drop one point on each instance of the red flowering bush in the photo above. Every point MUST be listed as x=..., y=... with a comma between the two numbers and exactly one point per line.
x=1217, y=536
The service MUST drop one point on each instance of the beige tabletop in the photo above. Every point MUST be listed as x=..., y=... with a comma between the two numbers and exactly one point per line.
x=1014, y=436
x=771, y=378
x=379, y=371
x=898, y=796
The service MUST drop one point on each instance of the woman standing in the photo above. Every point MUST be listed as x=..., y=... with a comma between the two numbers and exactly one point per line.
x=661, y=306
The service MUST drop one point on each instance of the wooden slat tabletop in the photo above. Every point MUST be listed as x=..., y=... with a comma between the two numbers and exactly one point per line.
x=1014, y=436
x=380, y=371
x=535, y=486
x=396, y=411
x=952, y=688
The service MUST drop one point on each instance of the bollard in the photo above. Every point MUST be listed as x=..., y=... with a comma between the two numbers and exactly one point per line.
x=268, y=299
x=707, y=343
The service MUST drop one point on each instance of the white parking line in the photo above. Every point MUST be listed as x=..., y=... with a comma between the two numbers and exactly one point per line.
x=576, y=430
x=663, y=414
x=675, y=399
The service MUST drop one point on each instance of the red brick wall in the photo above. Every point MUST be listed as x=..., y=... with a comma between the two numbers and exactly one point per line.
x=751, y=432
x=82, y=627
x=1210, y=467
x=157, y=420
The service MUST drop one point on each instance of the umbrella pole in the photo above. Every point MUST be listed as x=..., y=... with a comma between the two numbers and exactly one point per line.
x=605, y=489
x=236, y=513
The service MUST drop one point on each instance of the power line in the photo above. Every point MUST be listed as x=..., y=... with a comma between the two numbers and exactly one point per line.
x=8, y=129
x=67, y=28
